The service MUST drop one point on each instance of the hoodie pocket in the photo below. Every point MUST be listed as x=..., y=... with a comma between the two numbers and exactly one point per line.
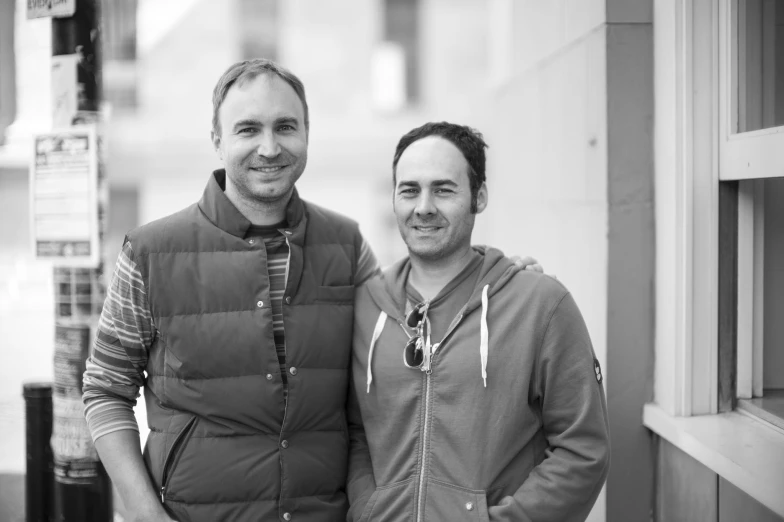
x=449, y=502
x=390, y=502
x=173, y=456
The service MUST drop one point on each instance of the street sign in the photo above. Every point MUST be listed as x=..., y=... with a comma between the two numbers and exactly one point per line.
x=45, y=8
x=64, y=197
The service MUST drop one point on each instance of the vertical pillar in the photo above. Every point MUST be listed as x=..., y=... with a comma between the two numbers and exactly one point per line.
x=39, y=499
x=82, y=488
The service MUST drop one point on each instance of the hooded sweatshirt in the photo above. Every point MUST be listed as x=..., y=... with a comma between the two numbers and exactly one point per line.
x=510, y=423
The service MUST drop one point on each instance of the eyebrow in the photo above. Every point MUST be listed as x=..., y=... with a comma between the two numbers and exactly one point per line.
x=435, y=183
x=442, y=182
x=251, y=122
x=288, y=120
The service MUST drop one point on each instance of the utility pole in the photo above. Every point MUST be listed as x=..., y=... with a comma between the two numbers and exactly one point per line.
x=82, y=489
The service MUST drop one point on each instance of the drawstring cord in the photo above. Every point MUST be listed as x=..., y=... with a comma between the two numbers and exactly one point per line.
x=483, y=340
x=483, y=335
x=382, y=318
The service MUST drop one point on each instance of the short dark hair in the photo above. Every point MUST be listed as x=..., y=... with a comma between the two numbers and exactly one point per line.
x=244, y=71
x=469, y=142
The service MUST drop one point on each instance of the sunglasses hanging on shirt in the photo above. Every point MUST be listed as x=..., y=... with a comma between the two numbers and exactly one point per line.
x=417, y=353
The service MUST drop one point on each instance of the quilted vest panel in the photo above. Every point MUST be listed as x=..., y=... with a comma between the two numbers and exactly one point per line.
x=224, y=445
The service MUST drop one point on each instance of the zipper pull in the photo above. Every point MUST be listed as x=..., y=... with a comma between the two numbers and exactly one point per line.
x=163, y=490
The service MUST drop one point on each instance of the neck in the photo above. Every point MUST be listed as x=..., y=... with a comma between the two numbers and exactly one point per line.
x=259, y=212
x=430, y=276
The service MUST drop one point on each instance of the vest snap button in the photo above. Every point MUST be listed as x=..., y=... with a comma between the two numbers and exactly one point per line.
x=286, y=516
x=260, y=304
x=251, y=241
x=269, y=376
x=284, y=444
x=293, y=370
x=469, y=506
x=288, y=299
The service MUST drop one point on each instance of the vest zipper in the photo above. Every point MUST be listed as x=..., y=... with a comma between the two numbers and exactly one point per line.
x=174, y=453
x=286, y=389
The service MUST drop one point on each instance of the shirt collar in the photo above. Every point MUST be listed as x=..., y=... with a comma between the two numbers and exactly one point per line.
x=224, y=215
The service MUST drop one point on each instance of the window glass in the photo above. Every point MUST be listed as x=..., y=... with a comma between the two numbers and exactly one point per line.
x=758, y=63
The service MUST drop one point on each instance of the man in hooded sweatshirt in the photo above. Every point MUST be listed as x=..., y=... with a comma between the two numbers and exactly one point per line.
x=476, y=394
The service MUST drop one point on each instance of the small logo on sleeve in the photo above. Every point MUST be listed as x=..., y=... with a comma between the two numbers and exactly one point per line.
x=598, y=370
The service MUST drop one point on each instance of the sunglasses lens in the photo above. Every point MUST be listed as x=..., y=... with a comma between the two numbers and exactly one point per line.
x=412, y=356
x=414, y=317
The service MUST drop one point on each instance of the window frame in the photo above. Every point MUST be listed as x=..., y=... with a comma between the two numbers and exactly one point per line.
x=747, y=158
x=694, y=151
x=743, y=155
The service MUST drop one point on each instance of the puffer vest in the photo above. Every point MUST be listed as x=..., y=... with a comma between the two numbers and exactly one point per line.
x=224, y=444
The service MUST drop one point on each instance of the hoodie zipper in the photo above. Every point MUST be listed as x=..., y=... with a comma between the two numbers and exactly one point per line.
x=421, y=502
x=174, y=452
x=428, y=369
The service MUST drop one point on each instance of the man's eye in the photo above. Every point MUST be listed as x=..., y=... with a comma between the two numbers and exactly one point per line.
x=444, y=191
x=247, y=130
x=286, y=128
x=407, y=192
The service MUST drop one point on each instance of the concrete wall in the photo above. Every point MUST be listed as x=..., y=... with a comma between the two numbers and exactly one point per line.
x=571, y=182
x=547, y=163
x=631, y=254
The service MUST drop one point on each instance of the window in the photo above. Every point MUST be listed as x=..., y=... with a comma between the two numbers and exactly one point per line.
x=751, y=216
x=718, y=167
x=119, y=52
x=259, y=29
x=7, y=65
x=395, y=65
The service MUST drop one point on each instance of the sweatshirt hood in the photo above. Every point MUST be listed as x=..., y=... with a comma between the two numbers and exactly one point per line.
x=388, y=291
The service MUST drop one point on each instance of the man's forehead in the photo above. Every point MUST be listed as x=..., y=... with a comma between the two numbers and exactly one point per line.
x=264, y=97
x=432, y=157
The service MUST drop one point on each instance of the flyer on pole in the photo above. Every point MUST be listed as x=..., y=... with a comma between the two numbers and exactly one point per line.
x=64, y=197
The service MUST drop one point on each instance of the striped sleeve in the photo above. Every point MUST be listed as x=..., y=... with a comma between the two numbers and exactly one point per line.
x=115, y=369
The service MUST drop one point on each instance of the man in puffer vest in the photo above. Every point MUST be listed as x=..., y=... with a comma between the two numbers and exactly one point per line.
x=476, y=382
x=235, y=314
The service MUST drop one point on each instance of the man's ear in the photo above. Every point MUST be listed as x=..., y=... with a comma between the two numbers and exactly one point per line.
x=216, y=142
x=481, y=198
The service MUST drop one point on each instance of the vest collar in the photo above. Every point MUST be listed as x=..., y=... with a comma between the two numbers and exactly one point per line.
x=224, y=215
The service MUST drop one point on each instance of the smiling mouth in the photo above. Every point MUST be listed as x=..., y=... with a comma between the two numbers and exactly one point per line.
x=426, y=229
x=269, y=170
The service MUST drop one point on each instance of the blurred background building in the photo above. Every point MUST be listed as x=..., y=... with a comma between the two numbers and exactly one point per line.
x=590, y=107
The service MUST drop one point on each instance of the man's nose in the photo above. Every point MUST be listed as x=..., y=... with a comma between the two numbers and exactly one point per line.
x=268, y=145
x=425, y=204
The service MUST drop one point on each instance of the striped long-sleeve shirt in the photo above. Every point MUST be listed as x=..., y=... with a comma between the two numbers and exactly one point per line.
x=126, y=331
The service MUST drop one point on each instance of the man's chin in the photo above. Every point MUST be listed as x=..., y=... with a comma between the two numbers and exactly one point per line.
x=272, y=194
x=425, y=251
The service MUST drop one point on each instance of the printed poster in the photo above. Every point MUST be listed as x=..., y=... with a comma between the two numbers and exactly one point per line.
x=64, y=196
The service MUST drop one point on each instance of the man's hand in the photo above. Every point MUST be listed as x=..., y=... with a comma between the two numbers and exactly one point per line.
x=121, y=455
x=528, y=263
